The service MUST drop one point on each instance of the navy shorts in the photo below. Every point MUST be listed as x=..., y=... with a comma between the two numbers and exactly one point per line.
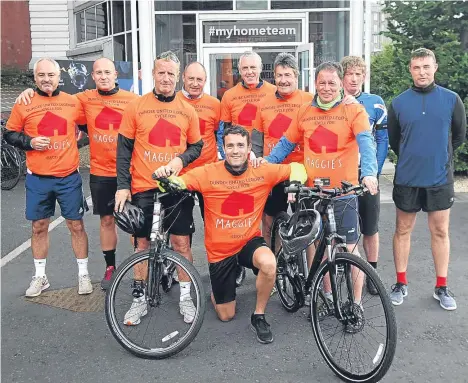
x=103, y=194
x=42, y=192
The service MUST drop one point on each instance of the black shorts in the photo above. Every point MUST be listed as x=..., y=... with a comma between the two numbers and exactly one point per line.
x=413, y=199
x=201, y=204
x=223, y=273
x=277, y=201
x=103, y=194
x=178, y=219
x=369, y=210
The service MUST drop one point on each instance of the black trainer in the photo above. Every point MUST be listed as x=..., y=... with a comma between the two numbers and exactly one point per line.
x=371, y=287
x=240, y=275
x=260, y=326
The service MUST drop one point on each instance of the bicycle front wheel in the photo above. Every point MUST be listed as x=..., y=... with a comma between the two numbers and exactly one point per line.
x=161, y=327
x=11, y=167
x=359, y=345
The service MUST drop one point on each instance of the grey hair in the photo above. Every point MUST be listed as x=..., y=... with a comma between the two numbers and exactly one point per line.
x=287, y=60
x=169, y=56
x=331, y=66
x=250, y=54
x=57, y=66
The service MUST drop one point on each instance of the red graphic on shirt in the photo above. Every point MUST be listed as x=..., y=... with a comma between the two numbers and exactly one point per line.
x=108, y=119
x=247, y=115
x=279, y=125
x=202, y=126
x=164, y=134
x=238, y=203
x=323, y=138
x=52, y=125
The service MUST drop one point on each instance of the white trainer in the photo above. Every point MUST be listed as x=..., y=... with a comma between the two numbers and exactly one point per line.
x=188, y=310
x=37, y=286
x=84, y=285
x=138, y=309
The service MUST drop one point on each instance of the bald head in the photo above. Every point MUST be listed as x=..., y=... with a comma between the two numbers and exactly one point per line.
x=194, y=78
x=104, y=74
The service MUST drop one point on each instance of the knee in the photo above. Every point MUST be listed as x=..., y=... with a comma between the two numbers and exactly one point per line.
x=107, y=221
x=439, y=231
x=268, y=265
x=181, y=243
x=403, y=229
x=40, y=227
x=76, y=226
x=225, y=316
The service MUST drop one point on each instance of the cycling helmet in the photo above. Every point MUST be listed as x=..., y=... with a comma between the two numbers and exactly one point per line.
x=131, y=219
x=300, y=231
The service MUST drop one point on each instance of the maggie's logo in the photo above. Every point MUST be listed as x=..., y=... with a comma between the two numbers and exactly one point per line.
x=247, y=115
x=202, y=124
x=52, y=125
x=323, y=140
x=237, y=203
x=164, y=134
x=108, y=119
x=279, y=125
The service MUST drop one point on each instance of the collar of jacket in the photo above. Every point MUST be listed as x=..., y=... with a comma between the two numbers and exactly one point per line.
x=187, y=95
x=315, y=103
x=427, y=89
x=44, y=94
x=163, y=98
x=236, y=172
x=109, y=92
x=260, y=83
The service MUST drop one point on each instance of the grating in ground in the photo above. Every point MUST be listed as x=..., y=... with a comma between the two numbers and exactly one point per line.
x=68, y=299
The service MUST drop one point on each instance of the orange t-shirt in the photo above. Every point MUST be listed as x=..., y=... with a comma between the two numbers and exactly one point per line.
x=161, y=131
x=274, y=117
x=329, y=140
x=56, y=118
x=103, y=116
x=208, y=109
x=239, y=104
x=233, y=204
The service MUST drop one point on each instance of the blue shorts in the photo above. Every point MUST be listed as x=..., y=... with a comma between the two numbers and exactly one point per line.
x=42, y=192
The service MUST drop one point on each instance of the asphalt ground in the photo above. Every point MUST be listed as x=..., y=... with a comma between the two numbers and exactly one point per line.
x=48, y=344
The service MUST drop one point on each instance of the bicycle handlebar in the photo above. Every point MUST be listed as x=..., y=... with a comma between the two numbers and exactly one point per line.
x=320, y=192
x=168, y=186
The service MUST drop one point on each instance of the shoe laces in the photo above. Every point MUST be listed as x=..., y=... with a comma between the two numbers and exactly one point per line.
x=261, y=322
x=445, y=291
x=397, y=287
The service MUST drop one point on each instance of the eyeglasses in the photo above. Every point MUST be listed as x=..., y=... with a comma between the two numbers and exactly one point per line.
x=168, y=55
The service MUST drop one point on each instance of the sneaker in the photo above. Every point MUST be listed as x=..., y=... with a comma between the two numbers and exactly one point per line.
x=357, y=323
x=37, y=286
x=259, y=325
x=371, y=287
x=84, y=285
x=240, y=275
x=445, y=298
x=105, y=282
x=187, y=309
x=307, y=300
x=138, y=309
x=399, y=291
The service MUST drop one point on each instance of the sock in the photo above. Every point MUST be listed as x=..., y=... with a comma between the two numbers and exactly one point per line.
x=82, y=266
x=401, y=278
x=40, y=265
x=373, y=264
x=109, y=256
x=185, y=290
x=441, y=281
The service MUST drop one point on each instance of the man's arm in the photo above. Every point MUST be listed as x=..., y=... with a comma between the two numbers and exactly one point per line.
x=14, y=133
x=224, y=122
x=381, y=140
x=368, y=154
x=458, y=124
x=124, y=156
x=394, y=130
x=280, y=151
x=192, y=152
x=257, y=143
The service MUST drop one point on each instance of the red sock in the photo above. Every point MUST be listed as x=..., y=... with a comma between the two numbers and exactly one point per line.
x=401, y=278
x=441, y=281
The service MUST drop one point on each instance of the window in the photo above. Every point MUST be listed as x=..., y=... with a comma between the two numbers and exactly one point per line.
x=118, y=17
x=304, y=4
x=329, y=31
x=92, y=23
x=177, y=33
x=190, y=5
x=249, y=5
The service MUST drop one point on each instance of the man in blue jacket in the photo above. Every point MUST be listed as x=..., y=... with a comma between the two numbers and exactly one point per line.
x=354, y=69
x=426, y=123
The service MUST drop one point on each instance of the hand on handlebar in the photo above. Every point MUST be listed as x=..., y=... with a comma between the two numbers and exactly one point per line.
x=169, y=184
x=371, y=183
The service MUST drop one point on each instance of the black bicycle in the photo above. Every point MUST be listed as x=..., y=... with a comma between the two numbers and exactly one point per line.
x=11, y=161
x=162, y=332
x=356, y=332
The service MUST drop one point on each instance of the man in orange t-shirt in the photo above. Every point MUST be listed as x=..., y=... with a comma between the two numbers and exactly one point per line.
x=239, y=105
x=45, y=129
x=276, y=113
x=103, y=107
x=235, y=194
x=158, y=129
x=208, y=111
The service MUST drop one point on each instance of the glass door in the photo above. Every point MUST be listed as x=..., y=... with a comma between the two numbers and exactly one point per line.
x=221, y=67
x=305, y=58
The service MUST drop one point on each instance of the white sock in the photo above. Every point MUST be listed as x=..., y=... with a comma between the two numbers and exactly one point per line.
x=40, y=265
x=185, y=290
x=82, y=266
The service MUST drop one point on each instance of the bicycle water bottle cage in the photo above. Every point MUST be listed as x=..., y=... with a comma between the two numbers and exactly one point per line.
x=302, y=229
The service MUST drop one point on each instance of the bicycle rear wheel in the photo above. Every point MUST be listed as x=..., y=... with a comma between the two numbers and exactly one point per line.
x=360, y=347
x=162, y=331
x=11, y=167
